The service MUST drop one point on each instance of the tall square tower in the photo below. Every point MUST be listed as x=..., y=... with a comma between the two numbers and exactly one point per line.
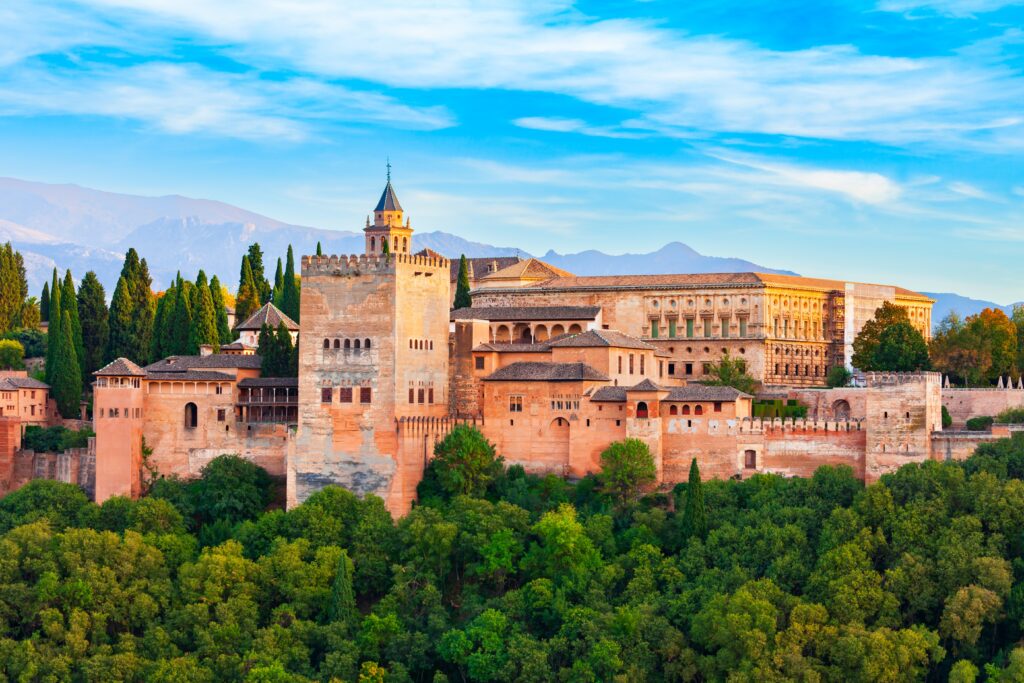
x=373, y=349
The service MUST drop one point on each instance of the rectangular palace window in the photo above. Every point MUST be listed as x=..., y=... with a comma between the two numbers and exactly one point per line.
x=420, y=395
x=689, y=327
x=515, y=404
x=345, y=395
x=672, y=327
x=743, y=327
x=325, y=395
x=365, y=393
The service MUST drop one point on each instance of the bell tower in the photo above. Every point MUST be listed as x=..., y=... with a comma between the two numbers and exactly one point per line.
x=388, y=226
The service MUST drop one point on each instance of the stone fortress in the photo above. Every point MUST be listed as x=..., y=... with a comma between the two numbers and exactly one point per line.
x=550, y=366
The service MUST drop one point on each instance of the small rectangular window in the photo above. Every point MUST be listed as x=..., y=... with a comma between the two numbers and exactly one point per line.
x=345, y=395
x=515, y=404
x=689, y=327
x=671, y=368
x=430, y=395
x=654, y=329
x=219, y=389
x=689, y=368
x=725, y=328
x=743, y=327
x=420, y=395
x=365, y=394
x=705, y=368
x=642, y=357
x=672, y=327
x=631, y=364
x=221, y=415
x=412, y=395
x=479, y=360
x=325, y=395
x=718, y=406
x=707, y=327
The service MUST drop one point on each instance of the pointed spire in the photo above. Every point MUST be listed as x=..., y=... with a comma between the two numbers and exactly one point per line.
x=1000, y=385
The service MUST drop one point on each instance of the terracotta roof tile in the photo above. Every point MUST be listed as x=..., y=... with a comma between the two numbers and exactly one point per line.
x=190, y=376
x=526, y=313
x=213, y=362
x=608, y=338
x=703, y=392
x=257, y=382
x=269, y=314
x=10, y=383
x=546, y=372
x=120, y=367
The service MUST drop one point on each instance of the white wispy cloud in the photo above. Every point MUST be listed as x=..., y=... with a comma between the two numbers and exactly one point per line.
x=952, y=8
x=970, y=191
x=187, y=98
x=566, y=125
x=672, y=80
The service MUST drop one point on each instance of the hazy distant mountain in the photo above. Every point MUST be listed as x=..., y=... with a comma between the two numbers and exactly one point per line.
x=674, y=257
x=52, y=224
x=964, y=306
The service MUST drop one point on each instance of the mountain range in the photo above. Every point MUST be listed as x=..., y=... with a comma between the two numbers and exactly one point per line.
x=70, y=226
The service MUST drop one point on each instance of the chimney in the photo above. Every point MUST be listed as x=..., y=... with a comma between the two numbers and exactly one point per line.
x=205, y=349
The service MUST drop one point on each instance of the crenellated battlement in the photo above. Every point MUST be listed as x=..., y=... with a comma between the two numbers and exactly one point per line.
x=881, y=379
x=358, y=264
x=756, y=425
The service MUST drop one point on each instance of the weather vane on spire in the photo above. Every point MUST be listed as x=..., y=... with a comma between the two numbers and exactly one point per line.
x=389, y=168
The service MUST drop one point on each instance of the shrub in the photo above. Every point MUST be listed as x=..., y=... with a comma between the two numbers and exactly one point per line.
x=464, y=463
x=626, y=468
x=947, y=419
x=12, y=355
x=980, y=424
x=1014, y=416
x=838, y=376
x=55, y=439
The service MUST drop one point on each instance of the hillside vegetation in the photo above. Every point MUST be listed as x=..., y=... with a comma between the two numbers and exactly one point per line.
x=501, y=576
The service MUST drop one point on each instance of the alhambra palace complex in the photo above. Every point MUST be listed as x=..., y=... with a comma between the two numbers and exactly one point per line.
x=550, y=366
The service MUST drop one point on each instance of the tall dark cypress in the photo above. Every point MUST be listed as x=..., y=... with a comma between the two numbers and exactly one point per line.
x=695, y=516
x=319, y=250
x=182, y=321
x=247, y=299
x=66, y=383
x=278, y=293
x=94, y=318
x=343, y=598
x=259, y=276
x=44, y=303
x=69, y=303
x=290, y=293
x=204, y=320
x=136, y=340
x=53, y=334
x=120, y=343
x=462, y=298
x=156, y=345
x=220, y=311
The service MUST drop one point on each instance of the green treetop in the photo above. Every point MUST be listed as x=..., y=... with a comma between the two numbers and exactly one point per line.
x=695, y=521
x=204, y=319
x=94, y=318
x=44, y=303
x=66, y=379
x=247, y=299
x=462, y=298
x=290, y=289
x=220, y=311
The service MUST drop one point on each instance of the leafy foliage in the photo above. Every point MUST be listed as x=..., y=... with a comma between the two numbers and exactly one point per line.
x=627, y=467
x=901, y=348
x=462, y=298
x=12, y=355
x=865, y=345
x=279, y=357
x=980, y=424
x=978, y=350
x=838, y=376
x=731, y=372
x=54, y=439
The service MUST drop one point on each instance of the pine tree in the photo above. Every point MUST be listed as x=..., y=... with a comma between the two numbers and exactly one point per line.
x=259, y=276
x=462, y=298
x=695, y=520
x=290, y=290
x=278, y=292
x=94, y=317
x=53, y=334
x=44, y=303
x=247, y=299
x=120, y=343
x=343, y=597
x=204, y=319
x=69, y=304
x=220, y=311
x=66, y=383
x=319, y=251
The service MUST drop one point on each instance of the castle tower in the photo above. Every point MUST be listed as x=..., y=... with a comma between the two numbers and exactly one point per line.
x=902, y=411
x=388, y=226
x=373, y=351
x=117, y=421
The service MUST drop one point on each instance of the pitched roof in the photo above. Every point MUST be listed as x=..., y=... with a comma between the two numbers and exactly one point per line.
x=609, y=338
x=529, y=371
x=703, y=392
x=481, y=266
x=526, y=313
x=646, y=385
x=609, y=395
x=120, y=367
x=822, y=283
x=9, y=383
x=388, y=200
x=237, y=346
x=541, y=347
x=268, y=314
x=257, y=382
x=190, y=376
x=430, y=253
x=530, y=268
x=215, y=361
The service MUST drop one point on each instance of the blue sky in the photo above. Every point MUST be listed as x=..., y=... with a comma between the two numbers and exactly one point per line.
x=877, y=141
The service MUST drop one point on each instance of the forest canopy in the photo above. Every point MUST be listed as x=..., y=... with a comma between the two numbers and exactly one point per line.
x=506, y=576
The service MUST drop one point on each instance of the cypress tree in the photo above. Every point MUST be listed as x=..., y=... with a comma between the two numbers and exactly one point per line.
x=69, y=303
x=120, y=343
x=343, y=597
x=166, y=331
x=135, y=340
x=462, y=299
x=278, y=285
x=319, y=251
x=284, y=353
x=44, y=303
x=156, y=346
x=66, y=384
x=182, y=321
x=53, y=335
x=13, y=286
x=204, y=320
x=94, y=318
x=259, y=276
x=290, y=290
x=247, y=300
x=695, y=519
x=220, y=311
x=267, y=350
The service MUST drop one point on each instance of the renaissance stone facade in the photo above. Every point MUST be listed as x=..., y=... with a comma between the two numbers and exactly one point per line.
x=551, y=367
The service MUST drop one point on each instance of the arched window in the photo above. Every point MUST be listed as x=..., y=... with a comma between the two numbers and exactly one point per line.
x=348, y=343
x=356, y=343
x=405, y=244
x=673, y=410
x=431, y=344
x=327, y=343
x=337, y=343
x=396, y=243
x=366, y=344
x=686, y=409
x=641, y=409
x=575, y=329
x=698, y=410
x=191, y=416
x=373, y=245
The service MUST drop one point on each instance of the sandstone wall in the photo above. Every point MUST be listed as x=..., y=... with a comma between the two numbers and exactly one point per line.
x=964, y=404
x=903, y=409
